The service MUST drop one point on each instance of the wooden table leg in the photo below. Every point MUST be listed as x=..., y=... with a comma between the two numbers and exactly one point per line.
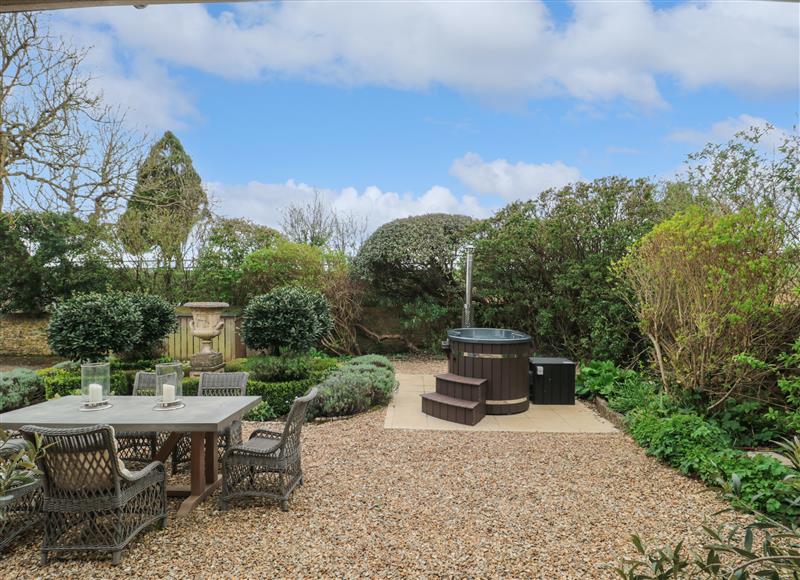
x=212, y=467
x=204, y=473
x=163, y=454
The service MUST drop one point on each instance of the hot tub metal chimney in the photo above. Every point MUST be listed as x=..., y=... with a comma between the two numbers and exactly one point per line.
x=466, y=320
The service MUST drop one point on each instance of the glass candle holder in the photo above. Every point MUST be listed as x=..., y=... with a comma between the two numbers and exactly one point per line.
x=95, y=384
x=169, y=388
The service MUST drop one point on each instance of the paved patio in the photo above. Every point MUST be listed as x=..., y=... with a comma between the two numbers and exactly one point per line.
x=404, y=413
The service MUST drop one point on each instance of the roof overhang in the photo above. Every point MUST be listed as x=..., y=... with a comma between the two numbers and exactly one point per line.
x=35, y=5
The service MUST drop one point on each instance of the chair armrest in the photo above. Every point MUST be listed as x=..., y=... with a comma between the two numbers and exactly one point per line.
x=266, y=434
x=155, y=466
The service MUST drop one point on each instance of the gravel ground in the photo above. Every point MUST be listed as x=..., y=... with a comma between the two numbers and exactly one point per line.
x=392, y=503
x=420, y=364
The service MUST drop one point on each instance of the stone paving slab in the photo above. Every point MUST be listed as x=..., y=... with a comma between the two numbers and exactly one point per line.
x=404, y=412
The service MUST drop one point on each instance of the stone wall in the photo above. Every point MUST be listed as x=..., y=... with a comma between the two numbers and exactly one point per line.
x=23, y=335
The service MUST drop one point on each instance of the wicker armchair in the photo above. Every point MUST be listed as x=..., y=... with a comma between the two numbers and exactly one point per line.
x=268, y=465
x=141, y=447
x=91, y=502
x=217, y=385
x=20, y=507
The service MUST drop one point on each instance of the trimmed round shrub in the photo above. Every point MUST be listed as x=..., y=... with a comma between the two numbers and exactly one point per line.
x=287, y=319
x=158, y=320
x=88, y=326
x=414, y=256
x=282, y=264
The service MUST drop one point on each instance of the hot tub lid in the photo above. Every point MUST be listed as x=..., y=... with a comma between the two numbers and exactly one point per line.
x=488, y=335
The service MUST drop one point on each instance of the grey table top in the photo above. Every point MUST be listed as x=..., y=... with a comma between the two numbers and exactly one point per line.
x=134, y=414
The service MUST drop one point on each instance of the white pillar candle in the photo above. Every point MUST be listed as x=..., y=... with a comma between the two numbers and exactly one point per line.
x=95, y=393
x=168, y=393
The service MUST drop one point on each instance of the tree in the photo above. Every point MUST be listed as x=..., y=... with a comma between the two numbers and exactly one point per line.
x=710, y=288
x=542, y=266
x=318, y=224
x=47, y=256
x=287, y=263
x=61, y=149
x=167, y=202
x=415, y=256
x=218, y=271
x=758, y=167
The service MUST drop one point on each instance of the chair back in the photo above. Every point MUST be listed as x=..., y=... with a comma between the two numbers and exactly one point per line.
x=144, y=384
x=78, y=464
x=290, y=441
x=223, y=384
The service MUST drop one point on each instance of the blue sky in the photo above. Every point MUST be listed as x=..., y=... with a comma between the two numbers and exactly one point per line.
x=393, y=109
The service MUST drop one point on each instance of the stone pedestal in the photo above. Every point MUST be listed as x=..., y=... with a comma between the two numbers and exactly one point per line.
x=206, y=324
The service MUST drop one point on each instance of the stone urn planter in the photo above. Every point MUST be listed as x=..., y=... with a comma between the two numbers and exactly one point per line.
x=206, y=324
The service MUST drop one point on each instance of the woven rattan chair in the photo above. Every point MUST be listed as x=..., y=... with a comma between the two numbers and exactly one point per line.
x=141, y=447
x=91, y=502
x=216, y=385
x=20, y=507
x=268, y=465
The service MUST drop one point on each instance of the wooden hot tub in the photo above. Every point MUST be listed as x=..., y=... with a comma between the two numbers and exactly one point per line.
x=498, y=355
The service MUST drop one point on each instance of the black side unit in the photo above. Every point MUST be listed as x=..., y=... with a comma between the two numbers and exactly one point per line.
x=552, y=381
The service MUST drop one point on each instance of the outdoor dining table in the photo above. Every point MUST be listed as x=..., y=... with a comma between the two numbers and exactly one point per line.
x=203, y=417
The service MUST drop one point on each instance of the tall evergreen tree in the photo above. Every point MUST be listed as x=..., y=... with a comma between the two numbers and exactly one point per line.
x=167, y=202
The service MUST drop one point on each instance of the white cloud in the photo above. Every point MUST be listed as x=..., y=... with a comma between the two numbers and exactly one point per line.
x=606, y=51
x=263, y=202
x=511, y=181
x=141, y=86
x=725, y=130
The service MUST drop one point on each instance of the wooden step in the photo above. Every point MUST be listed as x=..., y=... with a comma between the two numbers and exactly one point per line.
x=458, y=387
x=452, y=409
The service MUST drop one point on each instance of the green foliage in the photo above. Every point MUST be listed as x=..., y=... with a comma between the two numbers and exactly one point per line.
x=47, y=256
x=285, y=263
x=218, y=272
x=765, y=548
x=158, y=320
x=356, y=387
x=277, y=368
x=542, y=266
x=19, y=388
x=262, y=412
x=59, y=382
x=748, y=423
x=167, y=201
x=18, y=465
x=372, y=359
x=709, y=289
x=680, y=439
x=280, y=395
x=414, y=257
x=288, y=318
x=428, y=320
x=87, y=326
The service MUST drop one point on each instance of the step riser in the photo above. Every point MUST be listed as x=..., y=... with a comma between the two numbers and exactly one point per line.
x=453, y=414
x=461, y=391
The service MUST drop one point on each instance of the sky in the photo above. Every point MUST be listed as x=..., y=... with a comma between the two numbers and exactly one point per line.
x=392, y=109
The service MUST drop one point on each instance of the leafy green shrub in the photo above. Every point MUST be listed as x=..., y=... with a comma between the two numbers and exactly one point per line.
x=415, y=256
x=748, y=423
x=284, y=263
x=190, y=386
x=599, y=378
x=144, y=364
x=87, y=327
x=278, y=368
x=544, y=266
x=280, y=396
x=762, y=481
x=261, y=412
x=158, y=320
x=289, y=318
x=218, y=271
x=372, y=359
x=354, y=388
x=680, y=439
x=710, y=287
x=59, y=382
x=47, y=256
x=19, y=388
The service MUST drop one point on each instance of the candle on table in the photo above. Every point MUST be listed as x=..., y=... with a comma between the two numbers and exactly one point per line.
x=168, y=393
x=95, y=393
